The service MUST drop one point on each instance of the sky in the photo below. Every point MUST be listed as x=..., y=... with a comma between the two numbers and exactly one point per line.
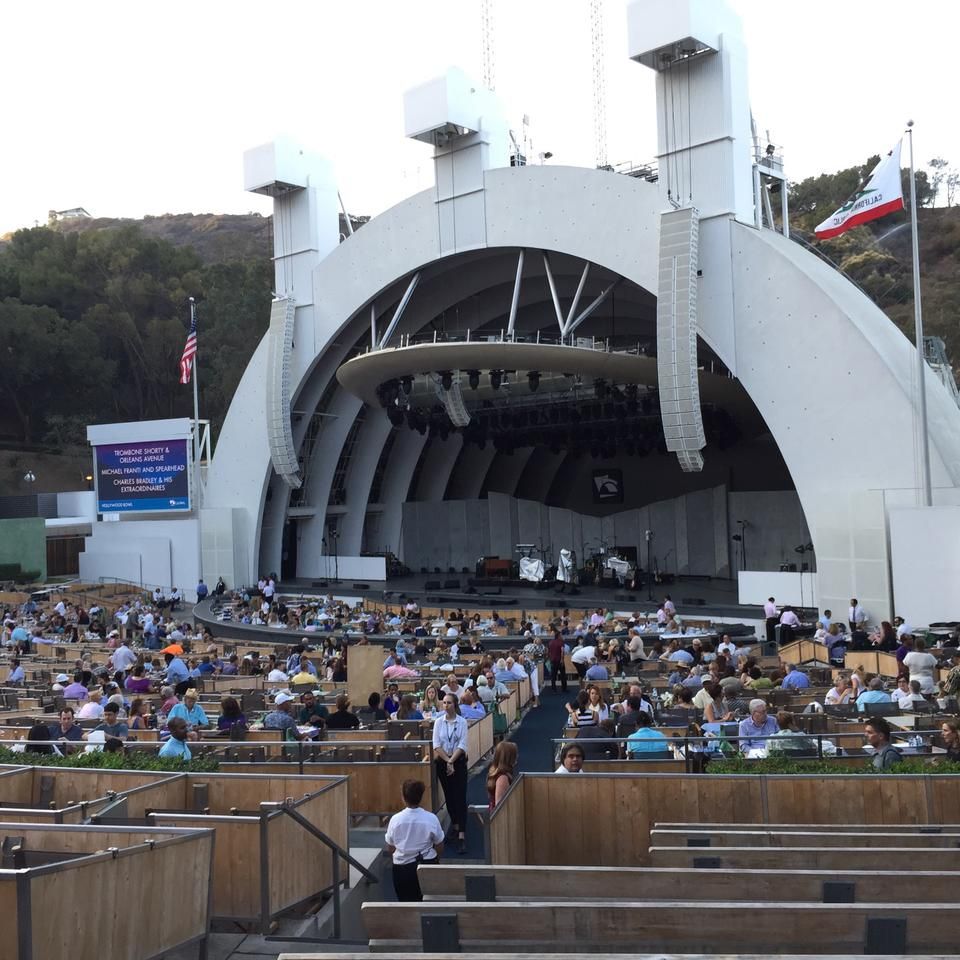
x=129, y=109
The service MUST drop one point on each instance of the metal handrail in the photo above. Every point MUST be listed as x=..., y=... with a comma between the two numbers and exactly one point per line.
x=336, y=852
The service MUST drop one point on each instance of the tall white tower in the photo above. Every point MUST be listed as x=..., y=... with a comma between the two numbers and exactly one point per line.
x=696, y=48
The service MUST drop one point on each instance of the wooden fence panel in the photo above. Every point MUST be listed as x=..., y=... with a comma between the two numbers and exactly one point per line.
x=293, y=879
x=91, y=908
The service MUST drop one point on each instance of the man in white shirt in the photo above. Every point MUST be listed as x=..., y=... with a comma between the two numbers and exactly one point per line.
x=414, y=836
x=123, y=657
x=728, y=647
x=276, y=675
x=903, y=628
x=770, y=616
x=856, y=616
x=581, y=658
x=269, y=589
x=92, y=709
x=789, y=621
x=668, y=607
x=61, y=608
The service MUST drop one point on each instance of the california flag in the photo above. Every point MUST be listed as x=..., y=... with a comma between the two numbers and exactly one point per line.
x=881, y=195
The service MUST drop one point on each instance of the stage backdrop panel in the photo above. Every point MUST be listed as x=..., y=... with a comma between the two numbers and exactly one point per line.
x=926, y=563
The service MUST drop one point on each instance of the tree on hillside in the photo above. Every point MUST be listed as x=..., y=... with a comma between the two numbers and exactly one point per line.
x=106, y=311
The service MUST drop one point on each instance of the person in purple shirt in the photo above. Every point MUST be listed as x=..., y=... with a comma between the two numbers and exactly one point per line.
x=137, y=682
x=75, y=690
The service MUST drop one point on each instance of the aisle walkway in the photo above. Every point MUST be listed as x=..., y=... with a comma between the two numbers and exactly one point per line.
x=532, y=736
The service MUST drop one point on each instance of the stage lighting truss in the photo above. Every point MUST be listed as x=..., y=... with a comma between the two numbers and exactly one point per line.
x=451, y=397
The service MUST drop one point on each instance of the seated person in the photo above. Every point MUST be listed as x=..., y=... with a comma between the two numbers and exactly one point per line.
x=377, y=713
x=281, y=717
x=627, y=717
x=592, y=739
x=580, y=714
x=67, y=728
x=230, y=714
x=111, y=725
x=343, y=718
x=92, y=709
x=176, y=745
x=905, y=694
x=392, y=702
x=873, y=694
x=885, y=755
x=596, y=671
x=470, y=707
x=645, y=739
x=839, y=693
x=408, y=709
x=190, y=711
x=755, y=729
x=788, y=738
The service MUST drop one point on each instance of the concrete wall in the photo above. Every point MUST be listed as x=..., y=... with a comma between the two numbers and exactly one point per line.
x=164, y=553
x=25, y=542
x=691, y=533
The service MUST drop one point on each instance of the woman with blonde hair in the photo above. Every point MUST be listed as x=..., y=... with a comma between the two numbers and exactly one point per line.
x=502, y=771
x=430, y=705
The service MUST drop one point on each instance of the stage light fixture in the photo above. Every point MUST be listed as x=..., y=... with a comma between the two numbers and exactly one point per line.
x=496, y=378
x=533, y=380
x=407, y=384
x=473, y=377
x=446, y=379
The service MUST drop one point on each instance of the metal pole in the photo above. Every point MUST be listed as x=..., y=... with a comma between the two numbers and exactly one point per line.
x=918, y=323
x=785, y=208
x=196, y=403
x=553, y=291
x=576, y=297
x=516, y=294
x=373, y=326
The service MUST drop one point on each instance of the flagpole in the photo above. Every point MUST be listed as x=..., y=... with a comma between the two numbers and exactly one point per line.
x=918, y=324
x=196, y=411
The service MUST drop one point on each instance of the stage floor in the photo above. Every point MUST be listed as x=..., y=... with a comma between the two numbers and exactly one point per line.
x=694, y=596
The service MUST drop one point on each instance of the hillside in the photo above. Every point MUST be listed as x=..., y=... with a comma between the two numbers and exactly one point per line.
x=216, y=237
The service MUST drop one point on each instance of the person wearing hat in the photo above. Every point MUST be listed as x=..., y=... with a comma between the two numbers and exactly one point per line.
x=190, y=712
x=92, y=710
x=281, y=717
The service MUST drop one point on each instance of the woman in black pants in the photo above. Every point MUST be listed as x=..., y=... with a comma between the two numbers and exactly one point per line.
x=450, y=760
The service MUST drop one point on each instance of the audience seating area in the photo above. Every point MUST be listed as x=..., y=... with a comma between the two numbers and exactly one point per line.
x=873, y=894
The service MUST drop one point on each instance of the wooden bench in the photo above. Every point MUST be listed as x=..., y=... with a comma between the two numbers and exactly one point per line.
x=807, y=858
x=796, y=838
x=678, y=926
x=819, y=827
x=449, y=882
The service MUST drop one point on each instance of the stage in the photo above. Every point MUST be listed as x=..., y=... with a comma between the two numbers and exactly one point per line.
x=694, y=597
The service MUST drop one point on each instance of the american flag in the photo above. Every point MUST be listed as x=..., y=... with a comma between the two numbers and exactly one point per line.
x=189, y=351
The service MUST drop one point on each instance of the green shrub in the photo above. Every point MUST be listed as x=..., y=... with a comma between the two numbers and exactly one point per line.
x=134, y=760
x=785, y=765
